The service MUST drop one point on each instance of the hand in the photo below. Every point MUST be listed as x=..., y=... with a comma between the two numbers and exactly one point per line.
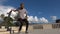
x=26, y=17
x=12, y=10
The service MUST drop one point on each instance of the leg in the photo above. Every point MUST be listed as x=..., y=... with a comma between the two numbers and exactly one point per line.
x=27, y=24
x=21, y=24
x=20, y=27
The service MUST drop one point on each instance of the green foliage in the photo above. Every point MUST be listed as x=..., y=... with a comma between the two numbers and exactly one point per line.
x=9, y=21
x=9, y=18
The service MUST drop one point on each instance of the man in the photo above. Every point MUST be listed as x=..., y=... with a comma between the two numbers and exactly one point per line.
x=22, y=17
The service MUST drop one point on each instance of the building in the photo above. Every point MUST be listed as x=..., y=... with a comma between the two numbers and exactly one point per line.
x=58, y=21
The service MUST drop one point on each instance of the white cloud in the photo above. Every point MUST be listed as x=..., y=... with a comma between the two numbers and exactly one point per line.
x=54, y=17
x=31, y=19
x=43, y=20
x=5, y=9
x=35, y=19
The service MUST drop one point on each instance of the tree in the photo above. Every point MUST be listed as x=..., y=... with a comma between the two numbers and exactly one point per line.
x=1, y=19
x=2, y=15
x=10, y=20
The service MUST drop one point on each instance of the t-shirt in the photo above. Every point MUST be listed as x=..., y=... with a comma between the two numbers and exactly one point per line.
x=22, y=13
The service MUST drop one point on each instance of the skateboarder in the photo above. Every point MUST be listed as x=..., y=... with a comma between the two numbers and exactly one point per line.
x=22, y=17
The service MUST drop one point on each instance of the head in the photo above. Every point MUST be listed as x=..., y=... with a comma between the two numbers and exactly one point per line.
x=22, y=5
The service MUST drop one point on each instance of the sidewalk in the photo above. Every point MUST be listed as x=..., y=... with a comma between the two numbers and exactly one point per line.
x=32, y=30
x=38, y=31
x=47, y=31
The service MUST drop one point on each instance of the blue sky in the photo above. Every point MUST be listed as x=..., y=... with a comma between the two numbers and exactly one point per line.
x=39, y=8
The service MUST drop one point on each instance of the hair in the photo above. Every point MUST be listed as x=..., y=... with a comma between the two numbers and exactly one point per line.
x=21, y=3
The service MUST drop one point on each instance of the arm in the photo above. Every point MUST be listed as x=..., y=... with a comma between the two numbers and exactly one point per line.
x=15, y=10
x=26, y=15
x=9, y=12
